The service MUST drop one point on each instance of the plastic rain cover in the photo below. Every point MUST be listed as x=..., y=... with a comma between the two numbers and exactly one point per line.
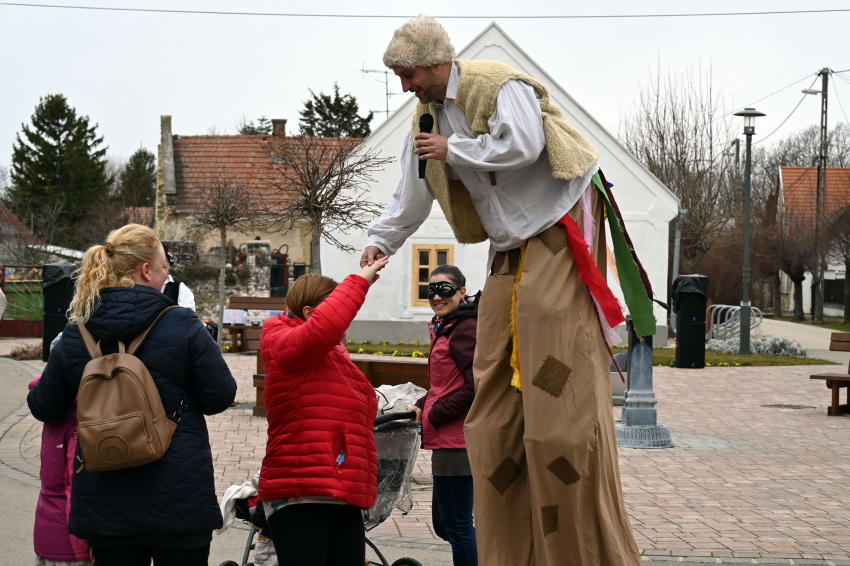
x=397, y=443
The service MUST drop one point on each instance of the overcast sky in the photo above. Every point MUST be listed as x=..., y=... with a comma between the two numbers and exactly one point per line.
x=126, y=69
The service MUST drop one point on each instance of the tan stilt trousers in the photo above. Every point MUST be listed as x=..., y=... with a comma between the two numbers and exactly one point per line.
x=544, y=461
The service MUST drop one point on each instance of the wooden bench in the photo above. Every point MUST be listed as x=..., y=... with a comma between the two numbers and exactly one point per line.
x=840, y=342
x=247, y=338
x=379, y=370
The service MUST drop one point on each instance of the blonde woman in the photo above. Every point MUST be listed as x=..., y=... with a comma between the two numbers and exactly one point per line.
x=164, y=511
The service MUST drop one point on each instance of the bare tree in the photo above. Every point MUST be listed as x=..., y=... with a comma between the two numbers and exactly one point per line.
x=680, y=130
x=221, y=203
x=323, y=181
x=839, y=232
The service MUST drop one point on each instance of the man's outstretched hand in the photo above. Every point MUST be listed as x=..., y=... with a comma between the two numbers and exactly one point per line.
x=370, y=255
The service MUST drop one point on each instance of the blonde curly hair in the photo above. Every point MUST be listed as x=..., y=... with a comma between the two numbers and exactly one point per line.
x=111, y=265
x=421, y=42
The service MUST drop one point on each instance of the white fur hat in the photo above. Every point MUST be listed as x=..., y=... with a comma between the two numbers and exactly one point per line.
x=421, y=42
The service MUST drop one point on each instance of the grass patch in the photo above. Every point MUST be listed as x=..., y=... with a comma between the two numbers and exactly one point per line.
x=666, y=356
x=388, y=349
x=26, y=301
x=831, y=323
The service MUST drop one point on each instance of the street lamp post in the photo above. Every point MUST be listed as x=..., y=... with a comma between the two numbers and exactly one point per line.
x=749, y=115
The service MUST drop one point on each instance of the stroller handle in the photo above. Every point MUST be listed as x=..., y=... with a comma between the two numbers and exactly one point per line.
x=395, y=417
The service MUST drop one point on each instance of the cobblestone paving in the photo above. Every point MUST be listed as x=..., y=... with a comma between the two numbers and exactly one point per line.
x=743, y=481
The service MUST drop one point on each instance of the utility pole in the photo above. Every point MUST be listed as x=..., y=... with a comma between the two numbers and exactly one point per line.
x=817, y=310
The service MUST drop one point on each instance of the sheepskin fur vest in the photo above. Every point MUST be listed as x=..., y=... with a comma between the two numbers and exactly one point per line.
x=570, y=155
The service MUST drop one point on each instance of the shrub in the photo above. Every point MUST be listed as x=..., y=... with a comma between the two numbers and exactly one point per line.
x=31, y=352
x=775, y=346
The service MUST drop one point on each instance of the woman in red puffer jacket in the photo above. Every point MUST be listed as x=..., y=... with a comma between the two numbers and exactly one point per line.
x=320, y=467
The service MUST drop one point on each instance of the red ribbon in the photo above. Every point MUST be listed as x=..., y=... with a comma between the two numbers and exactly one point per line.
x=590, y=274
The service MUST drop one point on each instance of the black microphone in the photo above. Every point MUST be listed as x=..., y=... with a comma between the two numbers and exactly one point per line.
x=426, y=124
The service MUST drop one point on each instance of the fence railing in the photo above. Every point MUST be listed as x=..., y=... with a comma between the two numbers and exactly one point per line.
x=725, y=321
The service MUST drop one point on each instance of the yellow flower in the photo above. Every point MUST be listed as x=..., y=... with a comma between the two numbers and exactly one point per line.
x=418, y=355
x=399, y=343
x=365, y=342
x=385, y=343
x=378, y=354
x=351, y=342
x=395, y=353
x=360, y=350
x=415, y=343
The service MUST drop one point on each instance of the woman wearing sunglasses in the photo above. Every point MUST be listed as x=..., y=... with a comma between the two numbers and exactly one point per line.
x=443, y=410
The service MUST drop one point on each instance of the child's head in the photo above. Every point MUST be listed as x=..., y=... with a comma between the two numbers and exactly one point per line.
x=446, y=289
x=307, y=293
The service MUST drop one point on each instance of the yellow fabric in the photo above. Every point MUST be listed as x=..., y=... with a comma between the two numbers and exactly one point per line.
x=516, y=380
x=570, y=154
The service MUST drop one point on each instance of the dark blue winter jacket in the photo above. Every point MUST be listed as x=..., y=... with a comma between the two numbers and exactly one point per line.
x=175, y=494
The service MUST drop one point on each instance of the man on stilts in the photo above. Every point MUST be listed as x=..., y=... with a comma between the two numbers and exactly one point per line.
x=506, y=166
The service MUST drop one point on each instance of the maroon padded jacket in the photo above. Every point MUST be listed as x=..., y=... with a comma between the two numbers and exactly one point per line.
x=320, y=407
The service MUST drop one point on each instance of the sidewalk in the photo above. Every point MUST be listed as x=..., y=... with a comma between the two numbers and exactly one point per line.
x=744, y=481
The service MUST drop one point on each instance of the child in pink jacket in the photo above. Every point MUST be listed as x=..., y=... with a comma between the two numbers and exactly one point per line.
x=53, y=544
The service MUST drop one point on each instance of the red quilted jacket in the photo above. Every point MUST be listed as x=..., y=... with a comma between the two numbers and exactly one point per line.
x=320, y=407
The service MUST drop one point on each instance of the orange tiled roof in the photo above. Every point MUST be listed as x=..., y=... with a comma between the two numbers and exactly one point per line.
x=197, y=158
x=799, y=185
x=9, y=219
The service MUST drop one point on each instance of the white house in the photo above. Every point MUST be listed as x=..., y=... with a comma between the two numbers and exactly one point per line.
x=394, y=312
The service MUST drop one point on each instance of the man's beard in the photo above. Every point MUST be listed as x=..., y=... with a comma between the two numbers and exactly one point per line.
x=433, y=89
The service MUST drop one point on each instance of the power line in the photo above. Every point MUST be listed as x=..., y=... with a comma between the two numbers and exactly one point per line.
x=401, y=16
x=763, y=98
x=789, y=115
x=835, y=86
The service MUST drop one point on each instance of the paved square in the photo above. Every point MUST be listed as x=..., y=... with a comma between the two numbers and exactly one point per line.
x=742, y=481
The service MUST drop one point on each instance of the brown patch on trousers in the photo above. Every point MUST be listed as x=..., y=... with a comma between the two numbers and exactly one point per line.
x=554, y=238
x=564, y=471
x=549, y=516
x=552, y=376
x=505, y=474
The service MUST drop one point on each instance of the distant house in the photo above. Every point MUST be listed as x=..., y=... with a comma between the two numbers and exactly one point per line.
x=797, y=209
x=186, y=162
x=394, y=309
x=15, y=238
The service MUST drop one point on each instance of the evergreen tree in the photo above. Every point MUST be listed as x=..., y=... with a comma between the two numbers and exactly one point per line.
x=330, y=116
x=137, y=182
x=58, y=160
x=262, y=127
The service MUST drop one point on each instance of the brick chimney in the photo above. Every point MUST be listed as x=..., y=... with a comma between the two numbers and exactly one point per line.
x=278, y=127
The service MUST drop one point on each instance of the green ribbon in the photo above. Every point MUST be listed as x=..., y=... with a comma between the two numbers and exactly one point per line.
x=634, y=291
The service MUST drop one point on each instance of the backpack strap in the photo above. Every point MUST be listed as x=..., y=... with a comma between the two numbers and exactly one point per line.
x=92, y=346
x=140, y=339
x=172, y=290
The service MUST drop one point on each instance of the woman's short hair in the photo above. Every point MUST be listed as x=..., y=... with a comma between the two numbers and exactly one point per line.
x=452, y=271
x=308, y=291
x=111, y=264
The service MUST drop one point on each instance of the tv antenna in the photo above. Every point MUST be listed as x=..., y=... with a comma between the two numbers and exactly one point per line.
x=386, y=83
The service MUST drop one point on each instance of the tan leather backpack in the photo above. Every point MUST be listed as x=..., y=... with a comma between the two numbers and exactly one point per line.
x=122, y=423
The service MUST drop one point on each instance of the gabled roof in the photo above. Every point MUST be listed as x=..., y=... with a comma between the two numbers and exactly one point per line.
x=494, y=44
x=199, y=158
x=798, y=186
x=12, y=221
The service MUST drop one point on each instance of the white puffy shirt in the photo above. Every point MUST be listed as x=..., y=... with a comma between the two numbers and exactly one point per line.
x=525, y=200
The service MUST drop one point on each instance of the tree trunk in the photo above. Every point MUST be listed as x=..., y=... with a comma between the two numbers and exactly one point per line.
x=776, y=288
x=221, y=274
x=316, y=247
x=798, y=300
x=847, y=291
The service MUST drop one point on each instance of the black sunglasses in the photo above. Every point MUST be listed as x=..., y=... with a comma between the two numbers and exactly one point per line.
x=443, y=288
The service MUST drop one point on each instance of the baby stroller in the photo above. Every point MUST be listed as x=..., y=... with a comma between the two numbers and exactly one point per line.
x=397, y=440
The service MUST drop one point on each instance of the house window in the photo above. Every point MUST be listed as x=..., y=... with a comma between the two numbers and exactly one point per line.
x=425, y=259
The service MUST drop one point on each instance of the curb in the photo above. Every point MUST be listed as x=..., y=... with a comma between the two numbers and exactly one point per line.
x=717, y=560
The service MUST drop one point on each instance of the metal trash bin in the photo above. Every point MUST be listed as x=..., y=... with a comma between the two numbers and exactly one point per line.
x=690, y=297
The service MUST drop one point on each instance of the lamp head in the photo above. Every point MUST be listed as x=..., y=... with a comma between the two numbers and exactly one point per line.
x=749, y=115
